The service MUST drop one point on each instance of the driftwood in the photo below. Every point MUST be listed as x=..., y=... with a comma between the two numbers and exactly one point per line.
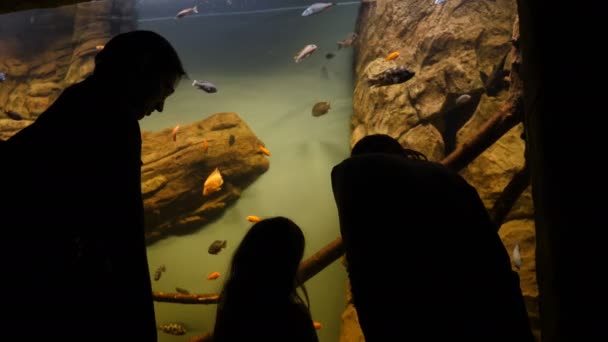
x=509, y=196
x=169, y=297
x=323, y=258
x=206, y=337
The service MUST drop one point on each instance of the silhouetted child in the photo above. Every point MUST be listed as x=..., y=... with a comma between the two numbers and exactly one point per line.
x=259, y=301
x=424, y=259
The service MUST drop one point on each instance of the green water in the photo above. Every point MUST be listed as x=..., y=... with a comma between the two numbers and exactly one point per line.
x=249, y=58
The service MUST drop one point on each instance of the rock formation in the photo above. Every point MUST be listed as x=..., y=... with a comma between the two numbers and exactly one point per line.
x=44, y=51
x=449, y=46
x=173, y=172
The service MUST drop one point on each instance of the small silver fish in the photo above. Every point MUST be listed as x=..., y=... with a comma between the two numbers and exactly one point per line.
x=439, y=2
x=348, y=41
x=206, y=86
x=181, y=290
x=186, y=11
x=2, y=77
x=159, y=272
x=391, y=76
x=517, y=256
x=462, y=99
x=305, y=52
x=173, y=328
x=317, y=7
x=216, y=246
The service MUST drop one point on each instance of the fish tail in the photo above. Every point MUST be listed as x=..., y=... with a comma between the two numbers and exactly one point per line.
x=339, y=45
x=195, y=9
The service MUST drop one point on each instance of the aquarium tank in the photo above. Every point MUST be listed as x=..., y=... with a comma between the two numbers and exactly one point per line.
x=276, y=93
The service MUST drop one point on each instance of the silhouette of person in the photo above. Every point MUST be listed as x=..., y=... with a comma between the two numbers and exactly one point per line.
x=424, y=259
x=76, y=264
x=259, y=300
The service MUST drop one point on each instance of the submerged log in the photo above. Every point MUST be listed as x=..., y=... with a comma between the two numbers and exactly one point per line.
x=168, y=297
x=318, y=261
x=509, y=196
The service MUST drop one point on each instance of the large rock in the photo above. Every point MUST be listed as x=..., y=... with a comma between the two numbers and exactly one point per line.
x=173, y=173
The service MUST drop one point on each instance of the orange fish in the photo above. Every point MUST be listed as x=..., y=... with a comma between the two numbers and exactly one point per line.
x=174, y=132
x=205, y=145
x=213, y=183
x=317, y=325
x=392, y=56
x=252, y=218
x=213, y=275
x=99, y=47
x=264, y=150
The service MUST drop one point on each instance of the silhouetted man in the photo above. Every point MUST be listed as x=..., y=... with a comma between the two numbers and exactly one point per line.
x=75, y=264
x=423, y=257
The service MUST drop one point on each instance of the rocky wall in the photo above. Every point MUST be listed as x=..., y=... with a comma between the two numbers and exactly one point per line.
x=455, y=48
x=44, y=51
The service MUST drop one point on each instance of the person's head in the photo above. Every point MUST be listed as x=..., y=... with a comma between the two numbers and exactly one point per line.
x=383, y=143
x=143, y=67
x=267, y=259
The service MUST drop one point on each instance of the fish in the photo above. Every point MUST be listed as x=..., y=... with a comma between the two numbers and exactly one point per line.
x=217, y=246
x=13, y=115
x=186, y=11
x=391, y=76
x=213, y=275
x=305, y=52
x=174, y=132
x=317, y=325
x=495, y=82
x=182, y=290
x=439, y=2
x=99, y=47
x=2, y=77
x=320, y=108
x=392, y=56
x=213, y=183
x=348, y=41
x=205, y=145
x=173, y=328
x=329, y=55
x=264, y=150
x=253, y=218
x=231, y=140
x=517, y=256
x=159, y=271
x=462, y=99
x=207, y=86
x=317, y=7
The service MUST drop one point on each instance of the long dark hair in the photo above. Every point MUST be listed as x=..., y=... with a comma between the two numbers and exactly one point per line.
x=266, y=264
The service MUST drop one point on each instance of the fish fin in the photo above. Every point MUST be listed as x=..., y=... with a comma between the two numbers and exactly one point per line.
x=339, y=45
x=483, y=77
x=195, y=9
